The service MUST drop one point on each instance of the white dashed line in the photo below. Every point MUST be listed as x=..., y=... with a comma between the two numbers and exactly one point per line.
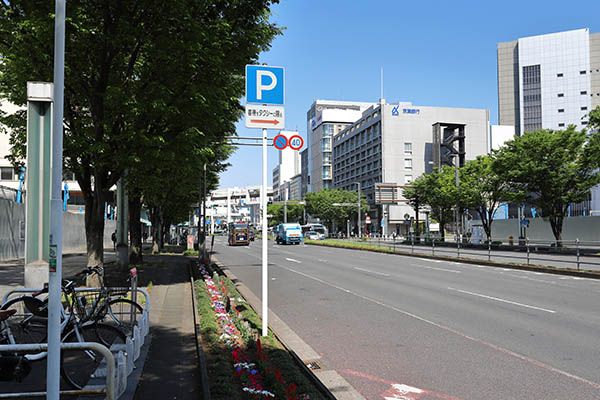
x=292, y=260
x=502, y=300
x=437, y=269
x=372, y=272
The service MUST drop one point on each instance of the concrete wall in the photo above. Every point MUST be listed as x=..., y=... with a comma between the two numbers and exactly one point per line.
x=582, y=228
x=12, y=231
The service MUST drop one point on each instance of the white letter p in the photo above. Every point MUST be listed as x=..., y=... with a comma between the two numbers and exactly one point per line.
x=260, y=87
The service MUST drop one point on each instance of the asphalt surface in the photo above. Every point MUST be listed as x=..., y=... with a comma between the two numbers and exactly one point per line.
x=398, y=327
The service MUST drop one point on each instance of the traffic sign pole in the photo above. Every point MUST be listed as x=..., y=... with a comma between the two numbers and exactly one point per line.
x=265, y=272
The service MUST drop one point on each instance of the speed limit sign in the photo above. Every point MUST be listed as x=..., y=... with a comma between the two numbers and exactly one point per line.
x=296, y=142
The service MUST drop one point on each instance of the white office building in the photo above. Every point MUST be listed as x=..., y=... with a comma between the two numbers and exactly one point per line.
x=549, y=81
x=396, y=143
x=288, y=167
x=324, y=120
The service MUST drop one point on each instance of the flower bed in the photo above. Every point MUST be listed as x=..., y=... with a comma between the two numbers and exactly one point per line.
x=260, y=369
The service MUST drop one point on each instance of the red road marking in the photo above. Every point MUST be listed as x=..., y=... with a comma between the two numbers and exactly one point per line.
x=399, y=391
x=263, y=121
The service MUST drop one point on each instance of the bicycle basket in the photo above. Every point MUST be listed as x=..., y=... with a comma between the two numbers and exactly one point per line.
x=89, y=305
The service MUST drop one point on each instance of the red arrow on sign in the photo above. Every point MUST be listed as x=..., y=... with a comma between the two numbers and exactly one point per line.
x=262, y=121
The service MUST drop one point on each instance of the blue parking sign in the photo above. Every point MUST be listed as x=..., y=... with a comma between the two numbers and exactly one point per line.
x=265, y=84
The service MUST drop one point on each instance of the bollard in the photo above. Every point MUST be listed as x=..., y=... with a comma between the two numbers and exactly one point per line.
x=433, y=247
x=147, y=322
x=489, y=249
x=527, y=244
x=457, y=246
x=412, y=243
x=394, y=239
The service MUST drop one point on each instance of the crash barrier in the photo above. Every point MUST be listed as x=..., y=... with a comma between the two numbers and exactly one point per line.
x=114, y=370
x=575, y=254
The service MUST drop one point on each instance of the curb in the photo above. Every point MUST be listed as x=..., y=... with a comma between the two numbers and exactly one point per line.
x=199, y=353
x=326, y=380
x=546, y=269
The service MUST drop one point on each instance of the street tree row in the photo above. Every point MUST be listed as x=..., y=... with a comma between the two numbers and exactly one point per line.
x=152, y=88
x=547, y=169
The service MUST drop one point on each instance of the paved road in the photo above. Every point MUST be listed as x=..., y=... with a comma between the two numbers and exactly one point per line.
x=444, y=330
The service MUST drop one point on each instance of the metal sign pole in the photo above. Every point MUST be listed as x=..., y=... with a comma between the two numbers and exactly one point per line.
x=55, y=255
x=265, y=271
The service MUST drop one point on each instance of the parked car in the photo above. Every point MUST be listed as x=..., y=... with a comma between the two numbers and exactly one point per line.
x=288, y=233
x=312, y=235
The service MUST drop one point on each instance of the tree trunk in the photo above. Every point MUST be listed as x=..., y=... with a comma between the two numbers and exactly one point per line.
x=556, y=224
x=135, y=229
x=94, y=228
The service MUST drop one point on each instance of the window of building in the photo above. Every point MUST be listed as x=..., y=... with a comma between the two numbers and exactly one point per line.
x=561, y=110
x=583, y=92
x=326, y=158
x=7, y=173
x=561, y=95
x=408, y=148
x=561, y=124
x=407, y=179
x=582, y=72
x=408, y=163
x=327, y=130
x=583, y=108
x=326, y=144
x=560, y=75
x=326, y=173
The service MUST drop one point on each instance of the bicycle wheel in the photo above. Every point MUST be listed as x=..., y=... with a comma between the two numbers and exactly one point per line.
x=80, y=367
x=30, y=323
x=124, y=314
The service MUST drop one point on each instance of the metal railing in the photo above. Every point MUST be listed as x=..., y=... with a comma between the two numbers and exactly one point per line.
x=111, y=374
x=575, y=254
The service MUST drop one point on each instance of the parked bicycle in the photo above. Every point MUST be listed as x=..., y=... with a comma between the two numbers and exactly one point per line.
x=80, y=323
x=12, y=367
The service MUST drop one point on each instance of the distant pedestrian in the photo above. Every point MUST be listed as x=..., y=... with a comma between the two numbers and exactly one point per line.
x=145, y=236
x=114, y=240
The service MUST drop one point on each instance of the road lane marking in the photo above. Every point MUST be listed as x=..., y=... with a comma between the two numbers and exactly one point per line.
x=454, y=331
x=292, y=260
x=427, y=259
x=373, y=272
x=321, y=260
x=502, y=300
x=435, y=268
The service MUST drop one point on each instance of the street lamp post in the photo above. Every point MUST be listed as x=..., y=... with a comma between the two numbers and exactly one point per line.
x=458, y=230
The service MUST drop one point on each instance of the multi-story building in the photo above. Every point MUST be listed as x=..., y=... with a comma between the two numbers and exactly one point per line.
x=288, y=167
x=549, y=81
x=235, y=204
x=304, y=177
x=395, y=143
x=325, y=119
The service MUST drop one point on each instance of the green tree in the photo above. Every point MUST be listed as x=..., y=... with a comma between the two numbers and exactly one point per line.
x=295, y=212
x=438, y=191
x=126, y=61
x=552, y=169
x=482, y=188
x=321, y=205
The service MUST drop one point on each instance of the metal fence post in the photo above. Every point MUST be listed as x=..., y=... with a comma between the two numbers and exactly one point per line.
x=489, y=249
x=577, y=253
x=394, y=239
x=412, y=243
x=457, y=246
x=527, y=244
x=433, y=246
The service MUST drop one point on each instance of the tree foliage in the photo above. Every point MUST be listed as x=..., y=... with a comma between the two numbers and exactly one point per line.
x=482, y=188
x=321, y=205
x=295, y=212
x=137, y=75
x=438, y=191
x=552, y=169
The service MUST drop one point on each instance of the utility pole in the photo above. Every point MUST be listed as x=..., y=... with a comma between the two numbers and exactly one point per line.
x=458, y=230
x=285, y=206
x=204, y=217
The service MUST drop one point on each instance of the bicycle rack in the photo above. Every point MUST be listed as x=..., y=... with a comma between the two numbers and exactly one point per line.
x=115, y=373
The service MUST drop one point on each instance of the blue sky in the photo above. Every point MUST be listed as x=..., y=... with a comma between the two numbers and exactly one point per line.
x=433, y=53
